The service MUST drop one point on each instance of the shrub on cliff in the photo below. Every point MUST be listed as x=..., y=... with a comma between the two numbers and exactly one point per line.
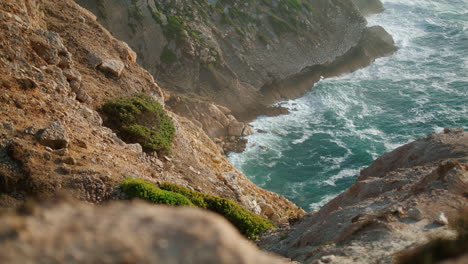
x=140, y=119
x=249, y=224
x=138, y=188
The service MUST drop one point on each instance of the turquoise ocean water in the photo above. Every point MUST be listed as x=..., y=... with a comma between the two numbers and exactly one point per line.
x=344, y=123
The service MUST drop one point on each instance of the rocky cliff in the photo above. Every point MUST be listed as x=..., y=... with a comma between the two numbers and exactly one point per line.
x=243, y=55
x=405, y=198
x=58, y=66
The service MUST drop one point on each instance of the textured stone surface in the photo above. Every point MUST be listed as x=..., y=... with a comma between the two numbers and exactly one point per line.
x=112, y=66
x=54, y=136
x=123, y=233
x=404, y=198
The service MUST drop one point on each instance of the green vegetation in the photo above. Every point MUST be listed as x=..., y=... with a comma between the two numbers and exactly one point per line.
x=138, y=188
x=168, y=56
x=263, y=39
x=280, y=25
x=440, y=249
x=249, y=224
x=140, y=119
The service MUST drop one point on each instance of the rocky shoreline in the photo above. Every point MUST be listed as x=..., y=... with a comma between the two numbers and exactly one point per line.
x=61, y=168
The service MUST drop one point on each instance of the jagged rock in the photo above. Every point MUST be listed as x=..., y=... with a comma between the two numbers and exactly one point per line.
x=248, y=130
x=54, y=136
x=94, y=60
x=82, y=233
x=48, y=45
x=72, y=75
x=369, y=7
x=235, y=128
x=69, y=160
x=425, y=177
x=112, y=66
x=27, y=83
x=129, y=53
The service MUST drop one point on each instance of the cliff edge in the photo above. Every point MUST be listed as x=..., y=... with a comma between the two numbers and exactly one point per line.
x=404, y=199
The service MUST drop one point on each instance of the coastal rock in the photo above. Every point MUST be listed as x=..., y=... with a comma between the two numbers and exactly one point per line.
x=419, y=180
x=54, y=136
x=369, y=7
x=235, y=128
x=112, y=66
x=80, y=233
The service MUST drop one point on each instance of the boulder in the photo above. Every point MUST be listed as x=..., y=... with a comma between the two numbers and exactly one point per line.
x=123, y=232
x=235, y=128
x=112, y=66
x=54, y=136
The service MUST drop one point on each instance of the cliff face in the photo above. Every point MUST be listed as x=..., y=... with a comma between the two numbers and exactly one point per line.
x=58, y=65
x=237, y=53
x=402, y=200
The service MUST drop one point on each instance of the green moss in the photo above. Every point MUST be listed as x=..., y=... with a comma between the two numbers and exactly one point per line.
x=249, y=224
x=140, y=119
x=138, y=188
x=168, y=56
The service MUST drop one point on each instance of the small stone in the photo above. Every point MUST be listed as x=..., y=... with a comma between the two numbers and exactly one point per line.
x=49, y=149
x=54, y=136
x=94, y=60
x=64, y=170
x=72, y=75
x=159, y=163
x=135, y=147
x=30, y=130
x=61, y=152
x=27, y=83
x=441, y=219
x=111, y=66
x=46, y=155
x=167, y=158
x=69, y=160
x=415, y=214
x=400, y=211
x=328, y=259
x=8, y=125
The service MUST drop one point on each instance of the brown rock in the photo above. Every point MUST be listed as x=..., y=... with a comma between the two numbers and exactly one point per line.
x=112, y=66
x=82, y=233
x=54, y=136
x=235, y=128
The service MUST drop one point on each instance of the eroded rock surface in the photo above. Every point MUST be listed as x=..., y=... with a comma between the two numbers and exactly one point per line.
x=404, y=198
x=123, y=232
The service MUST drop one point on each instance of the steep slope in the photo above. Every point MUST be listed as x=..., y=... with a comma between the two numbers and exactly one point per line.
x=244, y=55
x=58, y=66
x=402, y=200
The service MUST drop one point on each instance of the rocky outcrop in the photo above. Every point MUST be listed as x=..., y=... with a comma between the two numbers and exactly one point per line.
x=231, y=52
x=122, y=233
x=53, y=141
x=369, y=7
x=402, y=200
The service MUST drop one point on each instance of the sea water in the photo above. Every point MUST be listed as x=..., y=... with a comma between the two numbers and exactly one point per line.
x=346, y=122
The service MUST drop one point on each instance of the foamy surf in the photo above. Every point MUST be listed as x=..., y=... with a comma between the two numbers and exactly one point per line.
x=344, y=123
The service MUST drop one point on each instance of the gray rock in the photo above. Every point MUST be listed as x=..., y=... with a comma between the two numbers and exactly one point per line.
x=8, y=125
x=111, y=66
x=415, y=214
x=135, y=147
x=54, y=136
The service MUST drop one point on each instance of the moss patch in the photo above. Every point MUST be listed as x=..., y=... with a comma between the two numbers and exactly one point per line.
x=249, y=224
x=140, y=119
x=138, y=188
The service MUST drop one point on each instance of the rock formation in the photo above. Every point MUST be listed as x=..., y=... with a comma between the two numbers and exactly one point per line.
x=57, y=67
x=123, y=233
x=402, y=200
x=244, y=55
